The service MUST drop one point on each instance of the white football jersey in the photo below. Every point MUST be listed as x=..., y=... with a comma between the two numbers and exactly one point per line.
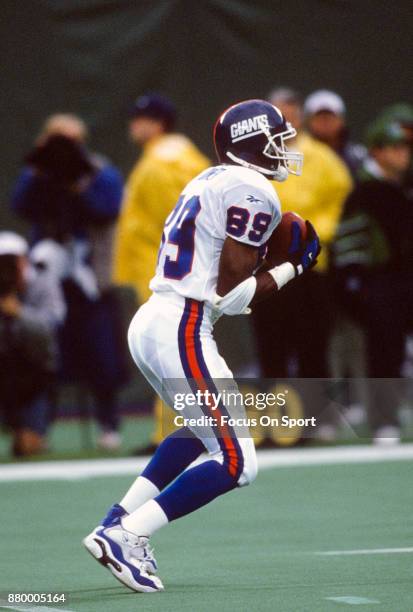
x=221, y=201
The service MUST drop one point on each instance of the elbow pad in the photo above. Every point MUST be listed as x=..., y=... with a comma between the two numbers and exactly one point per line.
x=236, y=301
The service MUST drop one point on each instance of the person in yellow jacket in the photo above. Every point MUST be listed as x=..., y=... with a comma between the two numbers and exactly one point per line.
x=319, y=193
x=292, y=329
x=168, y=162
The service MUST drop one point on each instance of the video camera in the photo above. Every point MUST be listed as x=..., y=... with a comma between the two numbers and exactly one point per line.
x=61, y=159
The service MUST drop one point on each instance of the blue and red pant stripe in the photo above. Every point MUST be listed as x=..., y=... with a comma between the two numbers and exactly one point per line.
x=197, y=373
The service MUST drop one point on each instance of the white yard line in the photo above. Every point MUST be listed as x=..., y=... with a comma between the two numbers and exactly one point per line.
x=71, y=470
x=352, y=600
x=365, y=551
x=79, y=469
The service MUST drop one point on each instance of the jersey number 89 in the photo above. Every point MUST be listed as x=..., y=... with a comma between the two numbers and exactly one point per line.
x=237, y=222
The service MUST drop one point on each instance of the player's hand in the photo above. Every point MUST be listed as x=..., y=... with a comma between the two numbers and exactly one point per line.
x=303, y=251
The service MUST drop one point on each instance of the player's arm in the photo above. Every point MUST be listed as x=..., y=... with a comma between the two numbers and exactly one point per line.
x=249, y=213
x=238, y=263
x=239, y=287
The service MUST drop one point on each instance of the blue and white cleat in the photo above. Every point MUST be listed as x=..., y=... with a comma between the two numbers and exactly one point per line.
x=112, y=518
x=125, y=555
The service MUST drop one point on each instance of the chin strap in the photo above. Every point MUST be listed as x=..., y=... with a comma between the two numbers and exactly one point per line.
x=280, y=175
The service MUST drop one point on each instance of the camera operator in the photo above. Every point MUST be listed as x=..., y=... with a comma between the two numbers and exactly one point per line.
x=73, y=197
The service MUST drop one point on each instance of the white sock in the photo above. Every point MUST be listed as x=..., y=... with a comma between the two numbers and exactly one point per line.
x=145, y=520
x=139, y=493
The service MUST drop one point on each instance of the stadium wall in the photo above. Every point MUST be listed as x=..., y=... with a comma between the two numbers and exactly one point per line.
x=93, y=57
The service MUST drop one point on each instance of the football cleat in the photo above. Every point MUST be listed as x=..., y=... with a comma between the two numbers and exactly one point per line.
x=113, y=517
x=125, y=555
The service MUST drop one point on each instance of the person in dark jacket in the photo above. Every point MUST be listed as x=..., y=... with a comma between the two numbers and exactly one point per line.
x=73, y=197
x=373, y=261
x=402, y=113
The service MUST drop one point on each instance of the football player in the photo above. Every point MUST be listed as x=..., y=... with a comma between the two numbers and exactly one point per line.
x=208, y=265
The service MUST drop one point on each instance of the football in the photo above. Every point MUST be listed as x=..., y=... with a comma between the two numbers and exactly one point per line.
x=280, y=240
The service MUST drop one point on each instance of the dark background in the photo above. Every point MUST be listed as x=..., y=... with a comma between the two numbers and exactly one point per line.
x=93, y=57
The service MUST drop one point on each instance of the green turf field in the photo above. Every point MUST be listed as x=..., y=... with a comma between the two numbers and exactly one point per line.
x=253, y=549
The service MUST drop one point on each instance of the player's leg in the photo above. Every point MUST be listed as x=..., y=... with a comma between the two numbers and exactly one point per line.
x=176, y=451
x=129, y=557
x=173, y=455
x=193, y=489
x=234, y=460
x=124, y=548
x=127, y=554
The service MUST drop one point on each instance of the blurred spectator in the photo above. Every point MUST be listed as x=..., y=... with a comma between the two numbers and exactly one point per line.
x=168, y=162
x=373, y=259
x=31, y=308
x=325, y=115
x=293, y=327
x=402, y=113
x=73, y=196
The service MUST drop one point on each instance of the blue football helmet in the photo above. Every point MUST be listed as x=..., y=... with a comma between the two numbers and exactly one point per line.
x=253, y=134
